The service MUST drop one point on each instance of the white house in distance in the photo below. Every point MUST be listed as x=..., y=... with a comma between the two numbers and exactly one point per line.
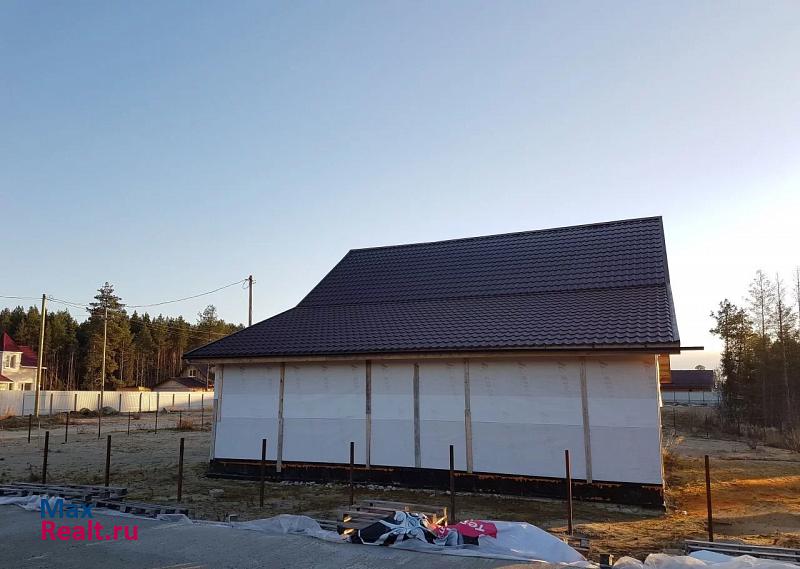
x=17, y=365
x=510, y=347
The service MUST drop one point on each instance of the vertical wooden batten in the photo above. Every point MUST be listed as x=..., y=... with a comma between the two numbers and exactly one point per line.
x=417, y=444
x=467, y=417
x=282, y=387
x=368, y=398
x=215, y=409
x=587, y=438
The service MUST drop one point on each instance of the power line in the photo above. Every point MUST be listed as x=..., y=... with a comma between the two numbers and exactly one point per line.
x=156, y=326
x=87, y=306
x=186, y=297
x=23, y=297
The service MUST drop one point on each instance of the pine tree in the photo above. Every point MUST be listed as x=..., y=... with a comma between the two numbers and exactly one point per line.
x=118, y=337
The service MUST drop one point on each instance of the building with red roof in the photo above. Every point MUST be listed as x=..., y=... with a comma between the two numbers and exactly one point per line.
x=17, y=365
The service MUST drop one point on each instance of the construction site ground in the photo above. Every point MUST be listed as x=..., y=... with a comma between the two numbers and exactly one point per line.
x=755, y=489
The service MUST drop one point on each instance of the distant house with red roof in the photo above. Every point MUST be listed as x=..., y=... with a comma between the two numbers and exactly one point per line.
x=17, y=365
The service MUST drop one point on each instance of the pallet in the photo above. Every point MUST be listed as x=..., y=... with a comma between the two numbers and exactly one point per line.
x=140, y=508
x=761, y=551
x=579, y=543
x=436, y=514
x=366, y=512
x=75, y=492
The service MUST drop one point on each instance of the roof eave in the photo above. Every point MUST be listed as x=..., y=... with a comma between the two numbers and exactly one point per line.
x=575, y=350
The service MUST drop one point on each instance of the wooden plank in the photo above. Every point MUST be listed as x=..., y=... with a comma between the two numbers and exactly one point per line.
x=743, y=548
x=467, y=416
x=279, y=457
x=401, y=505
x=417, y=443
x=587, y=436
x=368, y=418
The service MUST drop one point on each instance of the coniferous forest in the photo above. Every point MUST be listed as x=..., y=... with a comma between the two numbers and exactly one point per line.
x=760, y=363
x=141, y=350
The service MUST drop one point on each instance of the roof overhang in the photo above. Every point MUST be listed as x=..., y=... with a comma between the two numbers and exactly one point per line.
x=574, y=351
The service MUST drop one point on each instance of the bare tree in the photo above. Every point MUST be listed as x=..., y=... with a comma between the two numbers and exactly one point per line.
x=783, y=318
x=797, y=294
x=761, y=308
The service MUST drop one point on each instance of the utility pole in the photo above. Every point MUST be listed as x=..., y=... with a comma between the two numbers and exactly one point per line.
x=103, y=364
x=41, y=356
x=250, y=300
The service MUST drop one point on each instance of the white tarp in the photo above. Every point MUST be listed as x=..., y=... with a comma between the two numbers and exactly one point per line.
x=701, y=560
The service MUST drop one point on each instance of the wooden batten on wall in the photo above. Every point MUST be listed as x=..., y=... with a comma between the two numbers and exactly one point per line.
x=664, y=371
x=281, y=390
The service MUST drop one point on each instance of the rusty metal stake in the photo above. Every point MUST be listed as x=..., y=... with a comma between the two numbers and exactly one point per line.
x=180, y=471
x=129, y=423
x=569, y=491
x=263, y=472
x=156, y=420
x=352, y=463
x=66, y=430
x=108, y=460
x=44, y=458
x=452, y=486
x=30, y=425
x=708, y=502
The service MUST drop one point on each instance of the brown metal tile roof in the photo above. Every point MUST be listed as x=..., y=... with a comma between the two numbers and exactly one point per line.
x=589, y=286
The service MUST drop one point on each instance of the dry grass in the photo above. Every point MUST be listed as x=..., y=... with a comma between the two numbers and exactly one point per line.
x=185, y=424
x=6, y=413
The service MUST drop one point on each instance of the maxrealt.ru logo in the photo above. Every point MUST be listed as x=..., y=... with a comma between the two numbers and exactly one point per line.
x=87, y=530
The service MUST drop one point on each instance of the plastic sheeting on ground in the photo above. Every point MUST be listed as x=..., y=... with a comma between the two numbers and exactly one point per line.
x=700, y=560
x=516, y=541
x=482, y=538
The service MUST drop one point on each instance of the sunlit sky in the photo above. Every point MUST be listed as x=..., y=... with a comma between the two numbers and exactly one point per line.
x=171, y=148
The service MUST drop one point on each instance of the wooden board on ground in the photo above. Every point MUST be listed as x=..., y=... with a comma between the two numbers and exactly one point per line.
x=141, y=508
x=761, y=551
x=84, y=493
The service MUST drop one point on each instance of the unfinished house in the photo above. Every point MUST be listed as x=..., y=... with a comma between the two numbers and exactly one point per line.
x=512, y=348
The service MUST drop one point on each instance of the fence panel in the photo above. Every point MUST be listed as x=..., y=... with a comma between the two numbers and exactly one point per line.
x=16, y=403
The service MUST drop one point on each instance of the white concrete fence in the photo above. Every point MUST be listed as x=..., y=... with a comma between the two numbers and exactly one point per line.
x=21, y=403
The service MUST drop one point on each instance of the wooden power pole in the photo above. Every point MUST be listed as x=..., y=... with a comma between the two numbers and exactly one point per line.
x=250, y=300
x=103, y=363
x=41, y=355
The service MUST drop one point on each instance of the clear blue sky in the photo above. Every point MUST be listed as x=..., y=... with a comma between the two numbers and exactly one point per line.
x=172, y=147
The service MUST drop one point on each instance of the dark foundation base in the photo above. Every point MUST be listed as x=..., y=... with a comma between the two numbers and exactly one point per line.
x=647, y=495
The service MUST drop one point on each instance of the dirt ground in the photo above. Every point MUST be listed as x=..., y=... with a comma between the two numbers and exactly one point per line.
x=756, y=491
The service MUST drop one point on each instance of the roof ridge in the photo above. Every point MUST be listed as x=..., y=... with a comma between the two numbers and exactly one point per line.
x=471, y=296
x=514, y=233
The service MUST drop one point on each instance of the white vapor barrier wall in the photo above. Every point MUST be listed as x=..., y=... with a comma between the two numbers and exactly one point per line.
x=392, y=414
x=324, y=409
x=248, y=410
x=525, y=413
x=23, y=402
x=441, y=409
x=625, y=419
